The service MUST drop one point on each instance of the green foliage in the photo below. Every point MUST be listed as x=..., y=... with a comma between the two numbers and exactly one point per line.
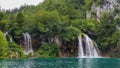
x=4, y=24
x=107, y=32
x=3, y=21
x=15, y=51
x=64, y=19
x=49, y=23
x=48, y=50
x=3, y=46
x=20, y=18
x=17, y=26
x=70, y=33
x=9, y=49
x=1, y=15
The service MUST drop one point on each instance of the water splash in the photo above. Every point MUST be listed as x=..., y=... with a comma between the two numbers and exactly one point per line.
x=28, y=43
x=87, y=47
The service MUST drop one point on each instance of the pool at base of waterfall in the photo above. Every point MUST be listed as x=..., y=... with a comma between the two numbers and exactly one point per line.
x=61, y=63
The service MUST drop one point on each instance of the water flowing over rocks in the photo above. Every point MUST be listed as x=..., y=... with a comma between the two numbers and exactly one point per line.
x=87, y=48
x=27, y=43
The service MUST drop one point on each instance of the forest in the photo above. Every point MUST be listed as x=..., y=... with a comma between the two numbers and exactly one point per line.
x=55, y=25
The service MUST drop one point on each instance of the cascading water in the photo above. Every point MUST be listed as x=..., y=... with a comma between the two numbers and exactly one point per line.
x=27, y=43
x=87, y=47
x=6, y=34
x=80, y=50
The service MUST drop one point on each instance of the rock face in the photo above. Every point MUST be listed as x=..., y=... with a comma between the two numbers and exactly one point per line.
x=106, y=6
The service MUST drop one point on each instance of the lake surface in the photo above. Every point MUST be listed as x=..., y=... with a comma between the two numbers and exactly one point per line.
x=61, y=63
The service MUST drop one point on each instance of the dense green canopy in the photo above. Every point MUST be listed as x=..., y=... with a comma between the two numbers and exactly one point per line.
x=64, y=19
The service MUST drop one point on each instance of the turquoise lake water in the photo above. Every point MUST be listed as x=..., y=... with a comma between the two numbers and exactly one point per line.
x=61, y=63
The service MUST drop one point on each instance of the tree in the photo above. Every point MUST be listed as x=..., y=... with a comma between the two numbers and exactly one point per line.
x=106, y=30
x=3, y=46
x=18, y=25
x=49, y=22
x=20, y=19
x=1, y=15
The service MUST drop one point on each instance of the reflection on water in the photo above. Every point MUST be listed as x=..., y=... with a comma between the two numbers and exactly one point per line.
x=98, y=63
x=86, y=63
x=61, y=63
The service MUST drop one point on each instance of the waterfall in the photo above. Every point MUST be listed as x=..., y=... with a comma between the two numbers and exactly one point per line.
x=7, y=34
x=27, y=43
x=80, y=52
x=87, y=47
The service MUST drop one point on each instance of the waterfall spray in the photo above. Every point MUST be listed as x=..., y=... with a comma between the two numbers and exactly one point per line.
x=87, y=50
x=27, y=43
